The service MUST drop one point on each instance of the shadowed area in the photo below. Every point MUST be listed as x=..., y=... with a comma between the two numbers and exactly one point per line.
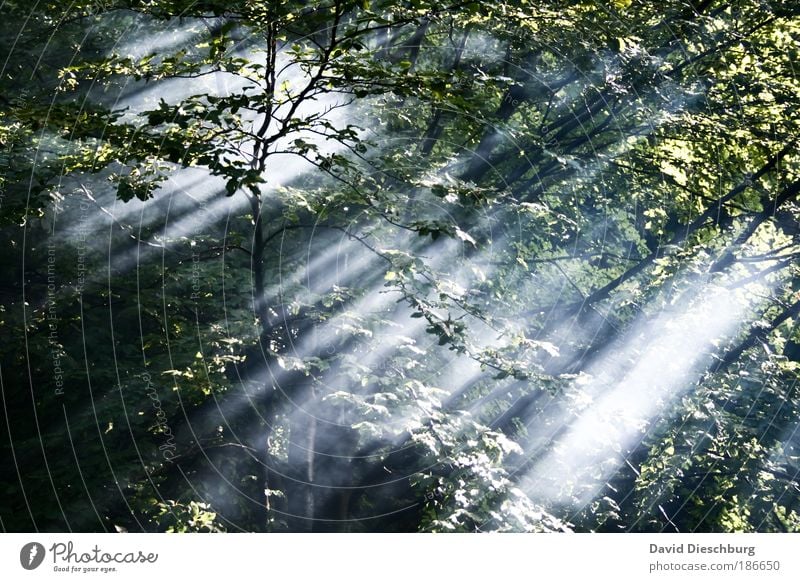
x=345, y=266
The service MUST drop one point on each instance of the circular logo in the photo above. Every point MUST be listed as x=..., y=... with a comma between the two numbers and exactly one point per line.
x=31, y=555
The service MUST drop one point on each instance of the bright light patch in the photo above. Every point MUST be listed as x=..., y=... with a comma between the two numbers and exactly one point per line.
x=657, y=361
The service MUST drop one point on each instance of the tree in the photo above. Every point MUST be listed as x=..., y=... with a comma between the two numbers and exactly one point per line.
x=391, y=260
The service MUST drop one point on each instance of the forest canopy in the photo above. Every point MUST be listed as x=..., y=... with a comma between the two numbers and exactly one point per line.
x=325, y=265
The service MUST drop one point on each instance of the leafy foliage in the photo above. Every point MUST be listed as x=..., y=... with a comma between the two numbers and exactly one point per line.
x=335, y=265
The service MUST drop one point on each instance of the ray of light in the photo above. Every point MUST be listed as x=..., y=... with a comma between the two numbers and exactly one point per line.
x=657, y=361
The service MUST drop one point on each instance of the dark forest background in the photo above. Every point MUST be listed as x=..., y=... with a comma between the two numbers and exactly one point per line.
x=399, y=266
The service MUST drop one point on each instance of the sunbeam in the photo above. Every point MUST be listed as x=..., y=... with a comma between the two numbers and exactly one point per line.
x=656, y=361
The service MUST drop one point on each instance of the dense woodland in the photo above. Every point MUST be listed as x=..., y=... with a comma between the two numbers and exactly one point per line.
x=325, y=265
